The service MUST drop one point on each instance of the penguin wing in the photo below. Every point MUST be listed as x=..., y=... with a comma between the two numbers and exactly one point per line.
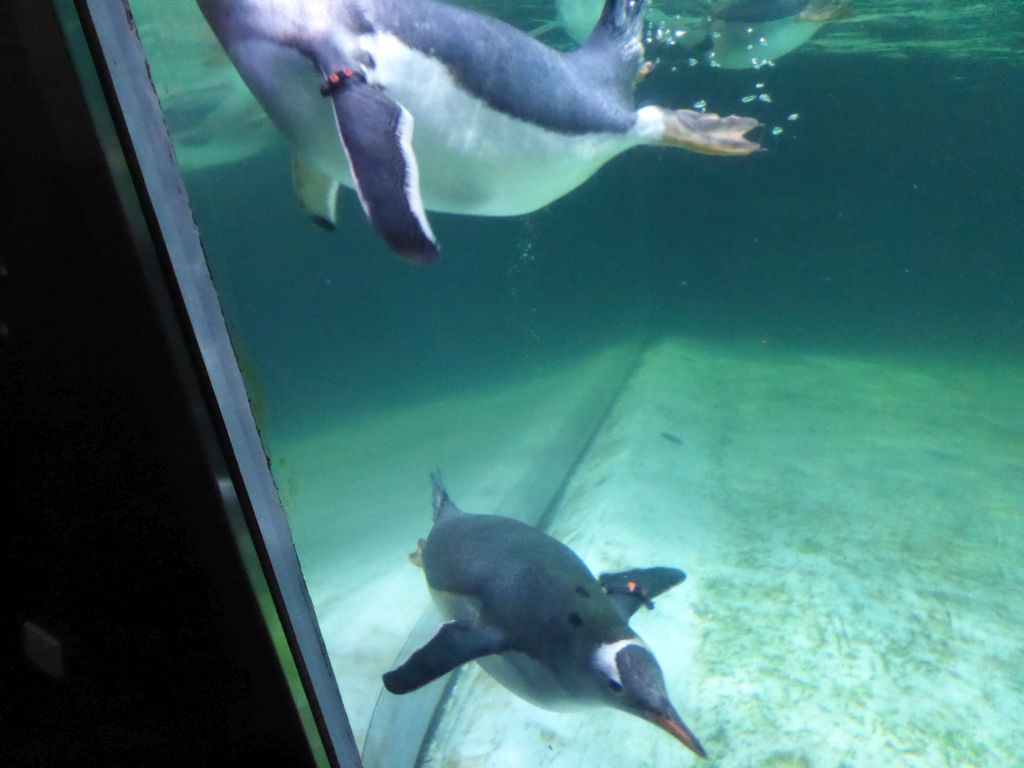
x=376, y=133
x=455, y=643
x=628, y=590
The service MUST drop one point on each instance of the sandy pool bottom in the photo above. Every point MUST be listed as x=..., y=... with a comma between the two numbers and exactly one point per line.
x=853, y=531
x=358, y=496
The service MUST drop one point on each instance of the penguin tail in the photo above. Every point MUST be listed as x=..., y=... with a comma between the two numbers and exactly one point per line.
x=621, y=21
x=443, y=505
x=613, y=55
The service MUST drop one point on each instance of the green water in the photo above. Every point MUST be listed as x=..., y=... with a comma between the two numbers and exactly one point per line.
x=830, y=333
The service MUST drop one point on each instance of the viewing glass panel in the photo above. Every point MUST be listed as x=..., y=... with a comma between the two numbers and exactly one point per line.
x=792, y=374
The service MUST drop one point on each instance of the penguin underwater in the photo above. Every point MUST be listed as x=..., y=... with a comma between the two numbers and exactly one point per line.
x=530, y=612
x=751, y=33
x=503, y=124
x=734, y=34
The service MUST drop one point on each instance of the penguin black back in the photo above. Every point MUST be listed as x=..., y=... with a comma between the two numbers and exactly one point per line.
x=503, y=69
x=511, y=569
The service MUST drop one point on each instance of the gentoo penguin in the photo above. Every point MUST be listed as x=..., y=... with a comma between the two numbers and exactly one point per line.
x=578, y=17
x=503, y=123
x=750, y=33
x=735, y=34
x=530, y=612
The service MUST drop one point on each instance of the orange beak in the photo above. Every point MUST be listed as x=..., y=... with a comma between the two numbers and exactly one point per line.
x=672, y=723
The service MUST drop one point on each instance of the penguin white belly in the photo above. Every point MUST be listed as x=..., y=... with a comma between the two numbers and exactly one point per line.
x=521, y=674
x=741, y=46
x=472, y=158
x=531, y=680
x=455, y=606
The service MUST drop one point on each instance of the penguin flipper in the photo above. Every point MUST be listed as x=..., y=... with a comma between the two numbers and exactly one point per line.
x=455, y=643
x=376, y=133
x=628, y=590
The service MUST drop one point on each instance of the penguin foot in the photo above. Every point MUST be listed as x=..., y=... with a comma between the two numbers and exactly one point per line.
x=707, y=133
x=645, y=69
x=416, y=558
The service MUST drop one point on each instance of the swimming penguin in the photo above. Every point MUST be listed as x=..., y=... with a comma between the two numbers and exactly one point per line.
x=736, y=34
x=529, y=611
x=578, y=17
x=503, y=124
x=751, y=33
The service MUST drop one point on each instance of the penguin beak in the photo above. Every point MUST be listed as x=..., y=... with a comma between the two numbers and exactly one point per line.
x=671, y=722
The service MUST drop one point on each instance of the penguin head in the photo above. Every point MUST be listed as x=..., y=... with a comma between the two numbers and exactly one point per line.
x=630, y=679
